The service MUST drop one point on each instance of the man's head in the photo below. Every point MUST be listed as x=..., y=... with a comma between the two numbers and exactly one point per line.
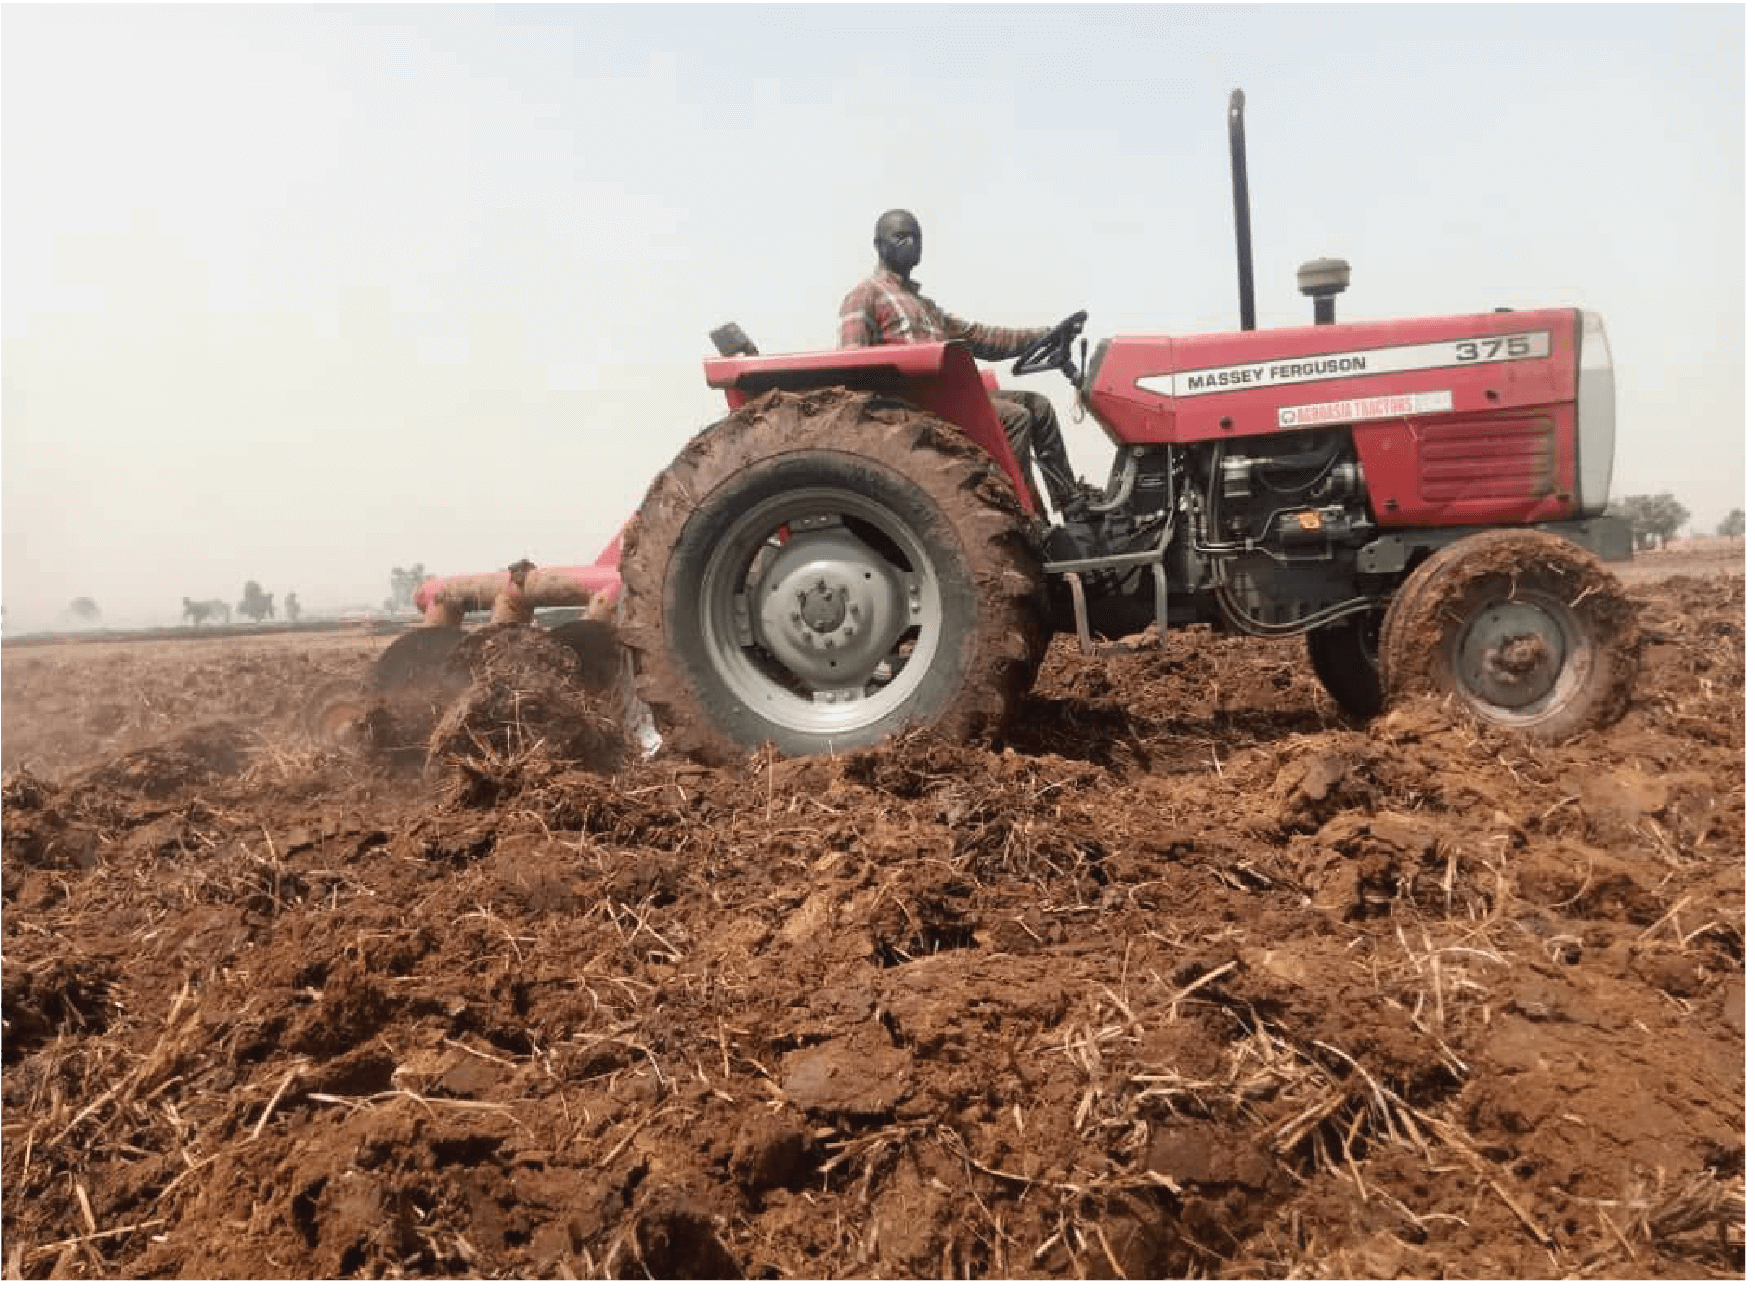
x=898, y=241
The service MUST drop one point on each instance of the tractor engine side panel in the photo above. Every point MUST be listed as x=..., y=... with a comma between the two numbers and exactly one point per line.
x=1459, y=420
x=1494, y=468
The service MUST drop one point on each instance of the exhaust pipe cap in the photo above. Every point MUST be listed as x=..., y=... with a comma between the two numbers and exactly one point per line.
x=1326, y=277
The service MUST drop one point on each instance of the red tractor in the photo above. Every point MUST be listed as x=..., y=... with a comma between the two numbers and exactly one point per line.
x=854, y=550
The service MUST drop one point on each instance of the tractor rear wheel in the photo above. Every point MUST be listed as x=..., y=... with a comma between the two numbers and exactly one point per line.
x=821, y=571
x=1524, y=629
x=1344, y=658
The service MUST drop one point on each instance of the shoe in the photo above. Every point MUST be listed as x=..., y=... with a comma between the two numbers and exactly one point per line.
x=1079, y=502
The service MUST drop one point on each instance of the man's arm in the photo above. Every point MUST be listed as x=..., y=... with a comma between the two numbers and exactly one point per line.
x=988, y=343
x=859, y=321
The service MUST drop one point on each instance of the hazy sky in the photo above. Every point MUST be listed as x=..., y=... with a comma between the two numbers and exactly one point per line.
x=303, y=293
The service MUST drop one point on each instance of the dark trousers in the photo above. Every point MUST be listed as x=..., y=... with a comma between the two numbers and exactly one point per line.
x=1030, y=427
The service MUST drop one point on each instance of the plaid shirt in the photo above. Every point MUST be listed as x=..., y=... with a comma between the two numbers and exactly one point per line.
x=889, y=308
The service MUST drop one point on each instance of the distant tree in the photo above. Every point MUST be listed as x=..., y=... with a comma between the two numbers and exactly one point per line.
x=1732, y=525
x=85, y=611
x=403, y=583
x=210, y=609
x=1656, y=517
x=255, y=603
x=291, y=603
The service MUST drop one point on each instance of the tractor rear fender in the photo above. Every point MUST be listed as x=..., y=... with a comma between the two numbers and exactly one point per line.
x=939, y=377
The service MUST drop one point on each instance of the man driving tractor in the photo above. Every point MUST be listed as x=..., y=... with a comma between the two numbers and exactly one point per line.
x=888, y=307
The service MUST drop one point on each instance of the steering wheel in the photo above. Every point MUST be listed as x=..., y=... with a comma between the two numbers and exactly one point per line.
x=1053, y=350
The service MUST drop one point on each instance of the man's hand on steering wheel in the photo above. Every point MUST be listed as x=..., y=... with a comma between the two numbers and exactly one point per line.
x=1053, y=350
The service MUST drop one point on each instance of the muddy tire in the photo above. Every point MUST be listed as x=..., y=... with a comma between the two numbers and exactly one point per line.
x=1344, y=658
x=1525, y=630
x=821, y=571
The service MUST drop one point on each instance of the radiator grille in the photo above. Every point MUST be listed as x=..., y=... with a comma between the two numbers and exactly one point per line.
x=1491, y=459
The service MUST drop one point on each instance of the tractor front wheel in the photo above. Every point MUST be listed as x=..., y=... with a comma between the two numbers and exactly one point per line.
x=1525, y=630
x=820, y=571
x=1344, y=658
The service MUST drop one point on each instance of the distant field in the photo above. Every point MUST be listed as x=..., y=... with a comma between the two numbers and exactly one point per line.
x=244, y=630
x=369, y=625
x=1694, y=556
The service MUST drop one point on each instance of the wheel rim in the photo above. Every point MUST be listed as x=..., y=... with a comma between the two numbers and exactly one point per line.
x=821, y=611
x=1517, y=658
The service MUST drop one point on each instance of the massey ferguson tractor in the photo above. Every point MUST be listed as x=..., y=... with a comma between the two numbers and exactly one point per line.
x=854, y=551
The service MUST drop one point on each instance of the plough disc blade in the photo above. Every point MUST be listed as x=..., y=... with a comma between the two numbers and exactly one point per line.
x=416, y=663
x=599, y=654
x=332, y=714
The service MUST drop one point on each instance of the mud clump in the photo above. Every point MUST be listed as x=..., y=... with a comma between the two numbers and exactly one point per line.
x=67, y=996
x=528, y=701
x=1190, y=976
x=483, y=710
x=197, y=756
x=41, y=836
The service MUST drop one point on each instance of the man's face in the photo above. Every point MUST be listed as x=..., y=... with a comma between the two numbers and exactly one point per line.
x=898, y=241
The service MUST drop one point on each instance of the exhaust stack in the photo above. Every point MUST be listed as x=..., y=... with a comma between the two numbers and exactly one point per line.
x=1322, y=281
x=1240, y=213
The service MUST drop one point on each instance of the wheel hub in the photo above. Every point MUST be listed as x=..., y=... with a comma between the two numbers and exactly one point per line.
x=1513, y=654
x=829, y=609
x=823, y=608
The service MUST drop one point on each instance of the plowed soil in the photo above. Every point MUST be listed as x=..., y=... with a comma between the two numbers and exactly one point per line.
x=1188, y=976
